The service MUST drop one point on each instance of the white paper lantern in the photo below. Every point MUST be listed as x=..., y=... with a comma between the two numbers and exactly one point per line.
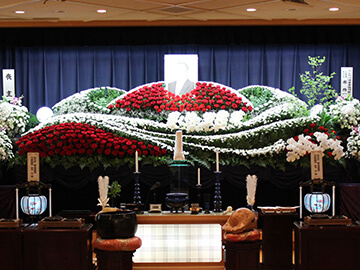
x=33, y=204
x=317, y=202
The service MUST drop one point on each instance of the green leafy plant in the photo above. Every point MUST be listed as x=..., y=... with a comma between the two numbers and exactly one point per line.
x=315, y=85
x=258, y=95
x=114, y=190
x=104, y=95
x=33, y=121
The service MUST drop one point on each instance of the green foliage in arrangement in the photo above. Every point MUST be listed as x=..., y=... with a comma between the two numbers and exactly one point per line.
x=315, y=85
x=114, y=189
x=258, y=95
x=103, y=96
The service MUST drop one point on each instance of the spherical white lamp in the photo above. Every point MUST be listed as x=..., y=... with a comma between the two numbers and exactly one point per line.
x=44, y=113
x=317, y=202
x=33, y=204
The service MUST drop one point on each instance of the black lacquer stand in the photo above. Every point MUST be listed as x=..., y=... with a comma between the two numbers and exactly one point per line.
x=137, y=196
x=217, y=194
x=198, y=187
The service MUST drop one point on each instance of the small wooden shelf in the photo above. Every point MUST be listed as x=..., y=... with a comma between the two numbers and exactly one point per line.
x=327, y=221
x=63, y=223
x=14, y=223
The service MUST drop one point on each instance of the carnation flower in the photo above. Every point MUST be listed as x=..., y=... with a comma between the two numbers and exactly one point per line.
x=79, y=139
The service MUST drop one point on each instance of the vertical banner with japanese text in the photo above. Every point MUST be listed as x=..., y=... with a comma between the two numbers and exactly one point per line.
x=9, y=83
x=33, y=166
x=346, y=82
x=316, y=165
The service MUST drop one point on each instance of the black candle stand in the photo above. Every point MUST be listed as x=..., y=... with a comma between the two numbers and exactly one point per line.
x=198, y=187
x=217, y=194
x=137, y=204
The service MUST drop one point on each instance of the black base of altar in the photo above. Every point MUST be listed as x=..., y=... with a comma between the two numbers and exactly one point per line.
x=77, y=189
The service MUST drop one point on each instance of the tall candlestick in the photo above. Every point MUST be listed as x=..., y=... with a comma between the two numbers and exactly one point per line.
x=198, y=176
x=301, y=203
x=217, y=161
x=136, y=161
x=50, y=203
x=17, y=203
x=333, y=200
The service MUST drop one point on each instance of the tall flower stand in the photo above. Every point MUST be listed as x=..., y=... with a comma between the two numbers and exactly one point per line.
x=116, y=253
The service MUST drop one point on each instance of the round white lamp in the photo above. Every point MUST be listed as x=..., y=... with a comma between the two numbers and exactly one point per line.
x=44, y=113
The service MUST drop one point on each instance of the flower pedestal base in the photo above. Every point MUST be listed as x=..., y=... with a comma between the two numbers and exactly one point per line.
x=108, y=260
x=116, y=253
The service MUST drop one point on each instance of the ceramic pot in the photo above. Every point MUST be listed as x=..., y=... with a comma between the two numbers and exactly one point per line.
x=117, y=224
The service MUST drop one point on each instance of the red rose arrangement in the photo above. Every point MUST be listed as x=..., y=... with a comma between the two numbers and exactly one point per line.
x=205, y=97
x=144, y=98
x=68, y=139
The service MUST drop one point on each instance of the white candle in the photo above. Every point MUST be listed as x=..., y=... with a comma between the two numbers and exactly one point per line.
x=198, y=176
x=333, y=200
x=136, y=162
x=301, y=205
x=50, y=203
x=17, y=203
x=217, y=161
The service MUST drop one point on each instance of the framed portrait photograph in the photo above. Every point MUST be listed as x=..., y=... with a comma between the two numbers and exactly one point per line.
x=180, y=72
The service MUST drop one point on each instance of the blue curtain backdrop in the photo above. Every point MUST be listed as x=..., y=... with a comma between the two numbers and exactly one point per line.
x=51, y=65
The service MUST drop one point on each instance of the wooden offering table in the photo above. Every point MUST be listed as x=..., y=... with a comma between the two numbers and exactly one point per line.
x=57, y=248
x=277, y=240
x=327, y=247
x=11, y=248
x=180, y=241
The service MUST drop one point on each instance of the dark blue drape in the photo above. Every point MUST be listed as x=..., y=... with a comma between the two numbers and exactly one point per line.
x=45, y=74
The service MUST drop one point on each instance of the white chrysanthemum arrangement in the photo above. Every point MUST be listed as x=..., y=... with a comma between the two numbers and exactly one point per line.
x=205, y=122
x=353, y=144
x=347, y=112
x=13, y=118
x=5, y=146
x=82, y=102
